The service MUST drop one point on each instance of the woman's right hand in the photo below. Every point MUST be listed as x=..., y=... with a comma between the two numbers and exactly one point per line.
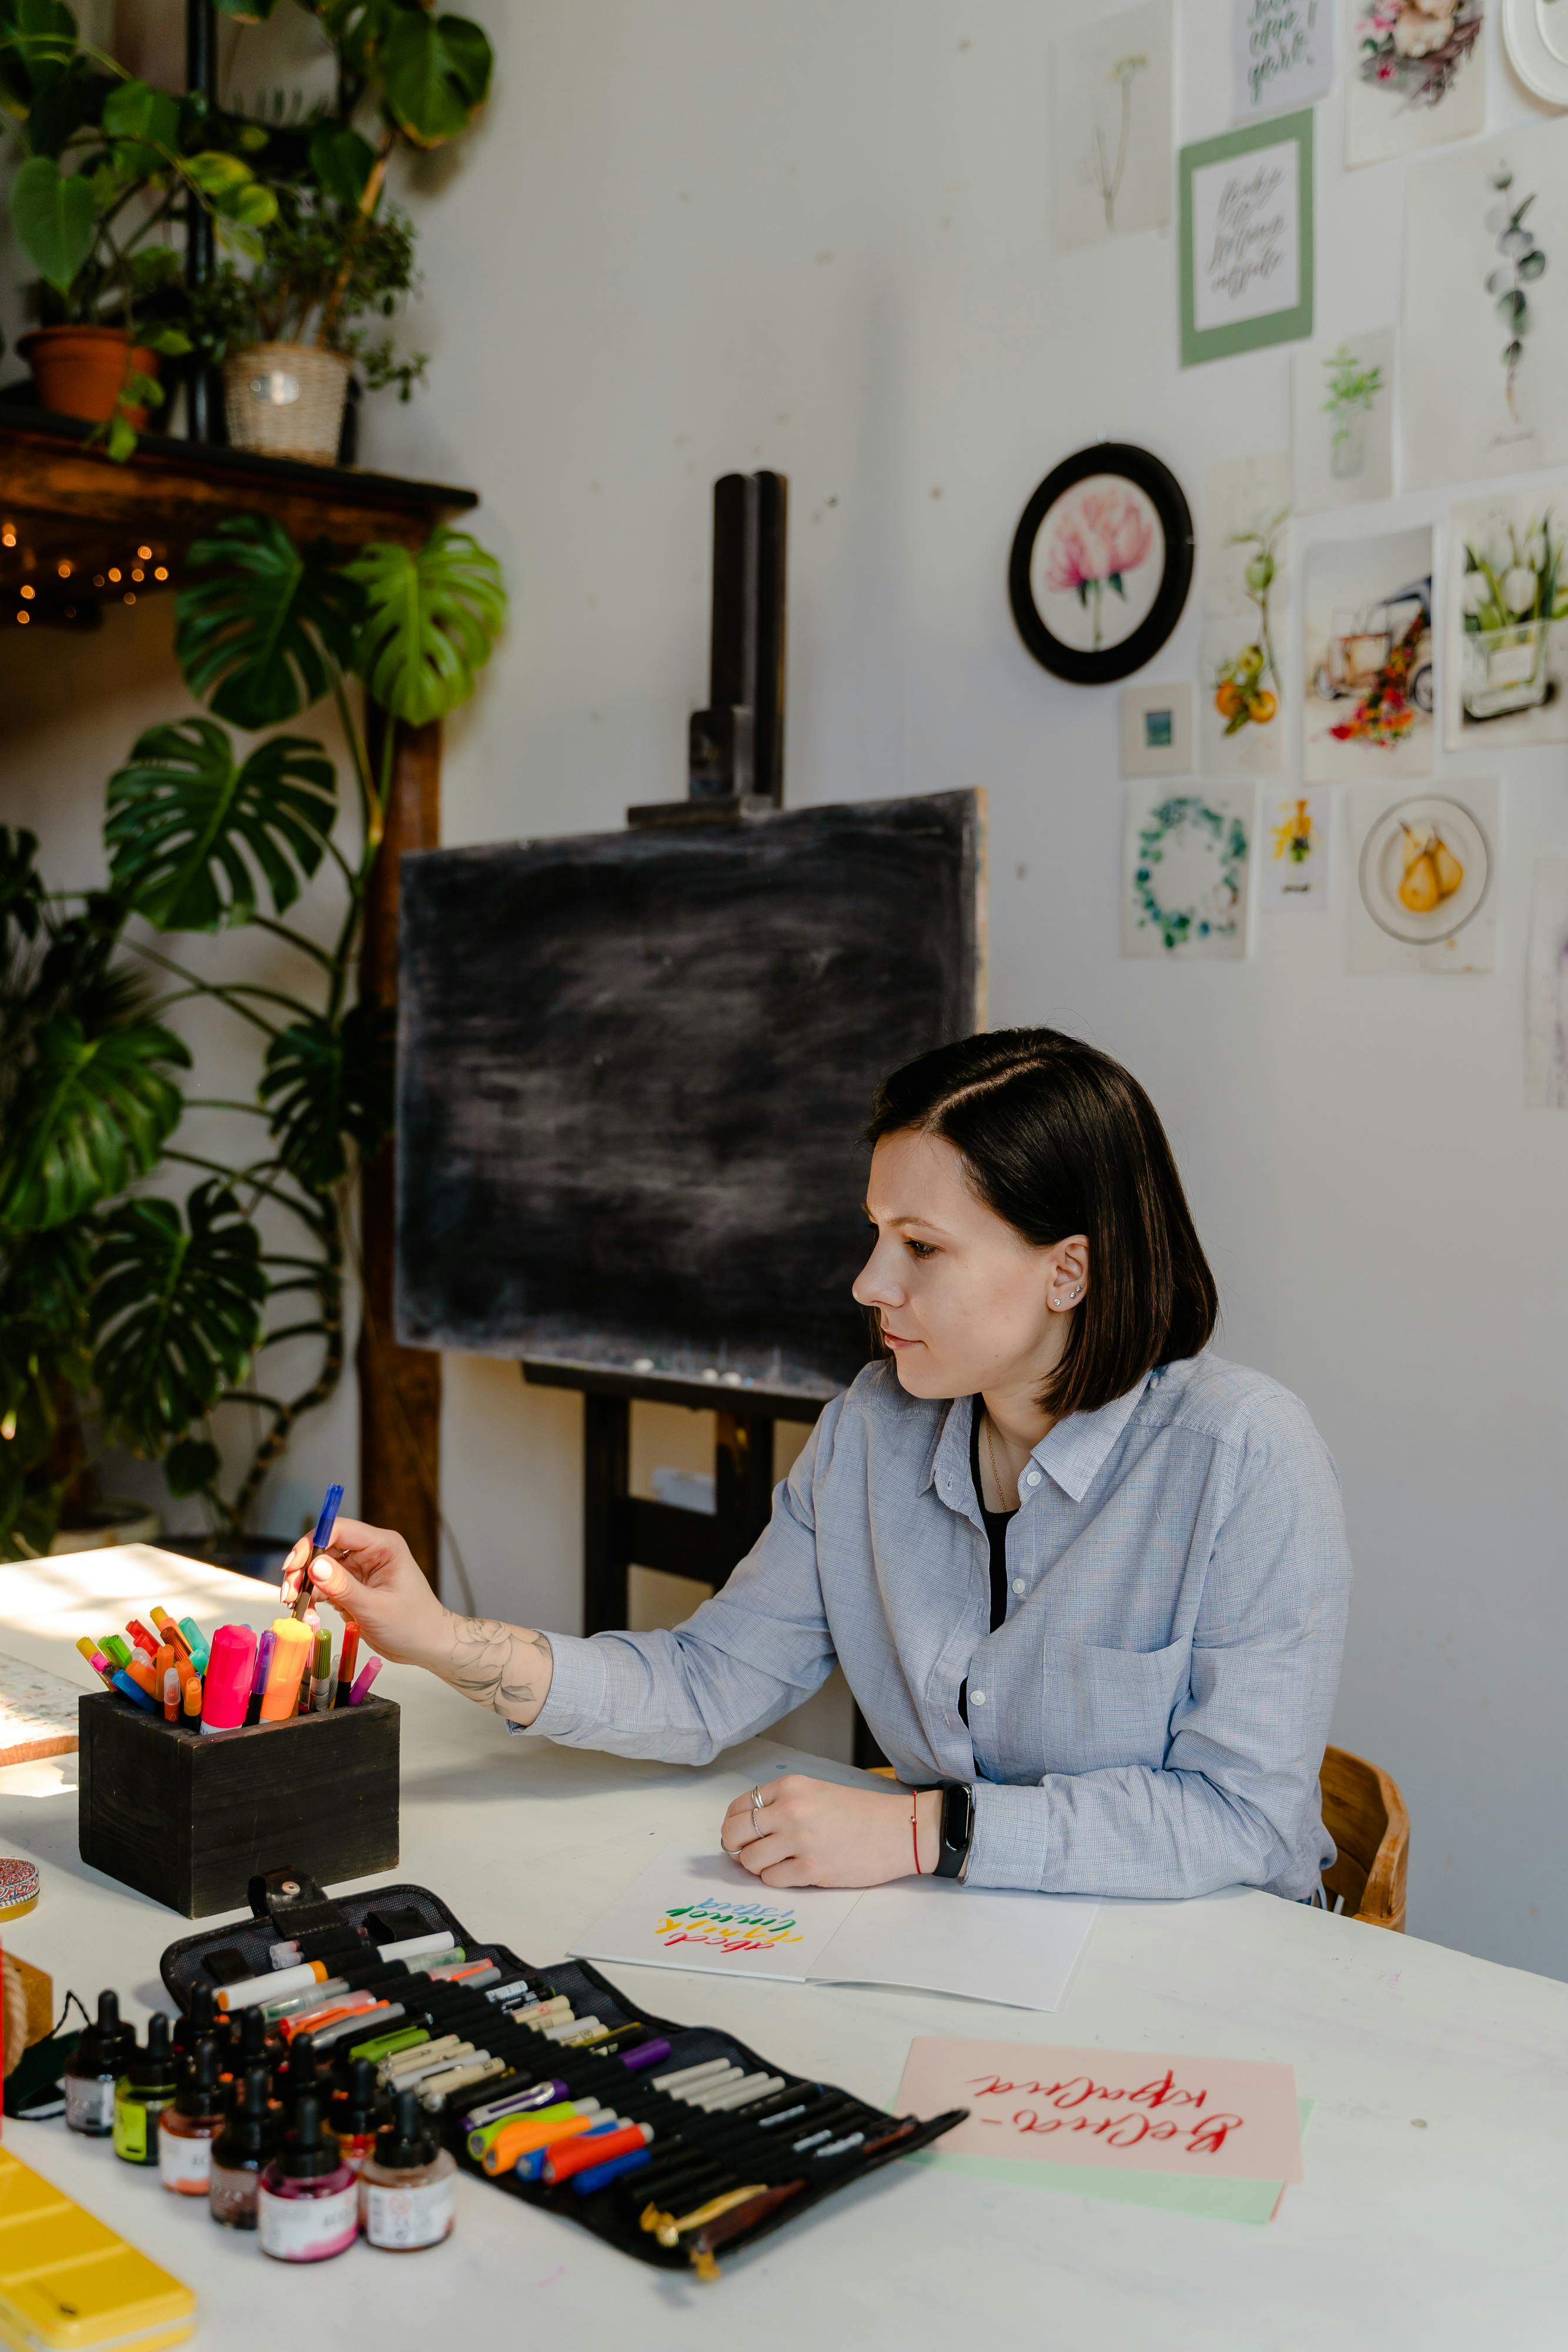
x=368, y=1574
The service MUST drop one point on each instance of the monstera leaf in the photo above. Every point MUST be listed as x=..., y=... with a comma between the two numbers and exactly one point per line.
x=252, y=632
x=342, y=161
x=432, y=616
x=322, y=1083
x=54, y=217
x=436, y=72
x=187, y=828
x=21, y=891
x=177, y=1312
x=90, y=1113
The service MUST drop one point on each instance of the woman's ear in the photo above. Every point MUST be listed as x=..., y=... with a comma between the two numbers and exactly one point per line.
x=1069, y=1283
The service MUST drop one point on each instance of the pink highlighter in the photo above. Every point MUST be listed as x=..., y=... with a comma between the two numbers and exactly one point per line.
x=225, y=1687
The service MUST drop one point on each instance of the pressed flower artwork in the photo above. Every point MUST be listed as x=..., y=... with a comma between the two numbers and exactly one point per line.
x=1188, y=854
x=1241, y=693
x=1415, y=76
x=1486, y=309
x=1342, y=421
x=1507, y=620
x=1367, y=669
x=1294, y=850
x=1101, y=564
x=1110, y=127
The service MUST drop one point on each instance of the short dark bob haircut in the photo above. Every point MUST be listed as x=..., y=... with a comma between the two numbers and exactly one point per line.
x=1058, y=1139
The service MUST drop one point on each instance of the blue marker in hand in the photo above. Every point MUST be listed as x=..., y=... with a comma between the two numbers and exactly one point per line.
x=318, y=1542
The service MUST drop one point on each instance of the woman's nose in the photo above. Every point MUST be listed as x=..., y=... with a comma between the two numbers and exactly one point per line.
x=874, y=1285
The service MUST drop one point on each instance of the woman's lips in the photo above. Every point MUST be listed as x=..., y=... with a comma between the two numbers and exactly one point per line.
x=895, y=1339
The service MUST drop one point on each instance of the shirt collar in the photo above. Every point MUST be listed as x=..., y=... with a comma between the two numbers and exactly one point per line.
x=1073, y=1454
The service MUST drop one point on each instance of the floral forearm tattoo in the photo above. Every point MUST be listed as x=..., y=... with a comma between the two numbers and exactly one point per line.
x=498, y=1665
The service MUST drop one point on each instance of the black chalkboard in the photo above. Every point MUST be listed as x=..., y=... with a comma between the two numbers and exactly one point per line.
x=633, y=1072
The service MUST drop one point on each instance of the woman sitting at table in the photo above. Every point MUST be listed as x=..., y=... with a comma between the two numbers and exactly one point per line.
x=1087, y=1582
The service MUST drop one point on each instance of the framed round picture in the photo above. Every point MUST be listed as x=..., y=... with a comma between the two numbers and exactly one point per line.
x=1101, y=563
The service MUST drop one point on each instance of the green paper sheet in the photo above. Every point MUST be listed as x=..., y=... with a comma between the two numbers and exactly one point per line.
x=1213, y=2201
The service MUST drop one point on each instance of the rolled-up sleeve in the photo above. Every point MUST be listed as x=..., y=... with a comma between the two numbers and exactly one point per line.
x=758, y=1648
x=1236, y=1800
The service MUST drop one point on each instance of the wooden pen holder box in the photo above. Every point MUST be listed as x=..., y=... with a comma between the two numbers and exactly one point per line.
x=191, y=1817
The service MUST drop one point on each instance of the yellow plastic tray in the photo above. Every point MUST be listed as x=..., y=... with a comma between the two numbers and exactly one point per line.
x=68, y=2281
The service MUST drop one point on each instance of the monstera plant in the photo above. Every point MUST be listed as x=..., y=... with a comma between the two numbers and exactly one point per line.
x=161, y=1310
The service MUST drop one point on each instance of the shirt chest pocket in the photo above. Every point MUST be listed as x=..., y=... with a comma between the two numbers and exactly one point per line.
x=1103, y=1707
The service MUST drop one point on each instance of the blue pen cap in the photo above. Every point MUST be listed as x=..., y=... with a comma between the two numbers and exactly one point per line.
x=329, y=1518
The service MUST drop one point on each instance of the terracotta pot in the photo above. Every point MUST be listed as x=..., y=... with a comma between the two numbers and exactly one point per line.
x=286, y=400
x=78, y=369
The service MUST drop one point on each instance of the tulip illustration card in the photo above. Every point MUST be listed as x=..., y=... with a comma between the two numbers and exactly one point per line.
x=1507, y=669
x=1424, y=897
x=1207, y=2119
x=1247, y=239
x=1367, y=669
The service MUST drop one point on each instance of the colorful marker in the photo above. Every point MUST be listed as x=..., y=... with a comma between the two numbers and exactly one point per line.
x=265, y=1649
x=132, y=1690
x=114, y=1648
x=198, y=1641
x=227, y=1684
x=142, y=1637
x=102, y=1667
x=319, y=1540
x=362, y=1689
x=346, y=1663
x=171, y=1695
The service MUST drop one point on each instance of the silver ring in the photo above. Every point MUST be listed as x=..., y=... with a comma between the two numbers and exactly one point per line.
x=758, y=1803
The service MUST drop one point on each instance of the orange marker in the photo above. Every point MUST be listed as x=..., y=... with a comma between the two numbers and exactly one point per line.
x=141, y=1672
x=192, y=1696
x=171, y=1631
x=530, y=2133
x=293, y=1645
x=171, y=1695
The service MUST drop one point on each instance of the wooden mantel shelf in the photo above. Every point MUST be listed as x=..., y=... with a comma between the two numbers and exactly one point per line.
x=61, y=495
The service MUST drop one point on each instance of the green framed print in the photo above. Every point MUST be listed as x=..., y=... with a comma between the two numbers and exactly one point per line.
x=1247, y=239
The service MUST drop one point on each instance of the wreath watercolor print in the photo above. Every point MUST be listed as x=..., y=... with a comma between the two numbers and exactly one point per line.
x=1188, y=852
x=1110, y=128
x=1416, y=76
x=1486, y=309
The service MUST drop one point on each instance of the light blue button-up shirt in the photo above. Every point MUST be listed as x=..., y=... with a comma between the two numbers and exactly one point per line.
x=1150, y=1717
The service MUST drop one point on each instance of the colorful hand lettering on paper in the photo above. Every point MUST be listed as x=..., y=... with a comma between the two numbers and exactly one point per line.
x=1203, y=2117
x=731, y=1926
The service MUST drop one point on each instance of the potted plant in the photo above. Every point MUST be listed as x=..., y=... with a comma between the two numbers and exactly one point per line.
x=337, y=258
x=1351, y=392
x=109, y=163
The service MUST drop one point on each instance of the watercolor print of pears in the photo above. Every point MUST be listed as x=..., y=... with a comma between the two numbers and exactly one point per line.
x=1104, y=173
x=1354, y=389
x=1519, y=263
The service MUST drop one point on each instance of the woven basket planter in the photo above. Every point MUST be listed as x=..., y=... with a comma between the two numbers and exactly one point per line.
x=286, y=400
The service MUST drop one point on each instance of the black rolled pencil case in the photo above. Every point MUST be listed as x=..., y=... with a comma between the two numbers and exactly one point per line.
x=287, y=1905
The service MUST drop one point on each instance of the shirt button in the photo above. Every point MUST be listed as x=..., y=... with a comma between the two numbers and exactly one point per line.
x=1032, y=1478
x=976, y=1698
x=1017, y=1584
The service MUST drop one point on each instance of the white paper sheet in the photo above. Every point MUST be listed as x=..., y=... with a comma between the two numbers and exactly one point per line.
x=694, y=1909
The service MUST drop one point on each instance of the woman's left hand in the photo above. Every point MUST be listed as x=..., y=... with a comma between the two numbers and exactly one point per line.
x=819, y=1833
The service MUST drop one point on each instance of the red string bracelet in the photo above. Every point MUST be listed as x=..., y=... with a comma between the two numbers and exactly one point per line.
x=915, y=1832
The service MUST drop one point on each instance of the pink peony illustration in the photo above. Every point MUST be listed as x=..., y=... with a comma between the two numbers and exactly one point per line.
x=1094, y=547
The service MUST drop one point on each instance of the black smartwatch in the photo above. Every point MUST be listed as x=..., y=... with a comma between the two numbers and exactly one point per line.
x=958, y=1829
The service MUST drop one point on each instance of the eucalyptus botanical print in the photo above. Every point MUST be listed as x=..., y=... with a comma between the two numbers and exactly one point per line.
x=1110, y=146
x=1185, y=889
x=1519, y=263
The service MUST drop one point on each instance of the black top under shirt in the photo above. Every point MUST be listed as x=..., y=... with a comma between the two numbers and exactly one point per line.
x=996, y=1536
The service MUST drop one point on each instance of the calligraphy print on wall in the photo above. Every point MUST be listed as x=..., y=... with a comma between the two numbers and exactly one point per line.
x=1282, y=54
x=1415, y=76
x=1247, y=239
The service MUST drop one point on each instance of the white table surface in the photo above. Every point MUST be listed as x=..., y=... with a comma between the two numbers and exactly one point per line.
x=1433, y=2212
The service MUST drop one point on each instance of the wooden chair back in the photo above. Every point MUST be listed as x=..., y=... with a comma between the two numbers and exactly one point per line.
x=1364, y=1814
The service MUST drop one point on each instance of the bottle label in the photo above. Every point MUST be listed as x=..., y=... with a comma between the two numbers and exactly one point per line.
x=185, y=2162
x=303, y=2229
x=131, y=2120
x=420, y=2216
x=90, y=2105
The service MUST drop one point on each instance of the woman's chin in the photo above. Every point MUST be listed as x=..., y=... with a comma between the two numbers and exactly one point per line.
x=917, y=1373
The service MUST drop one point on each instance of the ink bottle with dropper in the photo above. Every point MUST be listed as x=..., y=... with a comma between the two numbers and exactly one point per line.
x=408, y=2187
x=358, y=2112
x=307, y=2203
x=142, y=2093
x=94, y=2067
x=187, y=2129
x=249, y=2047
x=201, y=2020
x=247, y=2142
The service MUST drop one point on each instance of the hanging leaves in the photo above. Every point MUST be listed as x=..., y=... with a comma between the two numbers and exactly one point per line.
x=188, y=829
x=325, y=1082
x=432, y=614
x=91, y=1114
x=257, y=631
x=176, y=1313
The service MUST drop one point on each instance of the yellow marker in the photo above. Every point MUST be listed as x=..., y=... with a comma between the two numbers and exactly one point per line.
x=669, y=2232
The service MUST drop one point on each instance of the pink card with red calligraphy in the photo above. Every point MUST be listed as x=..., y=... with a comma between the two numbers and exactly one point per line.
x=1204, y=2118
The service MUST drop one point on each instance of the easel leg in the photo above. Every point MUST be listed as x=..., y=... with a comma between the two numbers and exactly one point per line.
x=606, y=1483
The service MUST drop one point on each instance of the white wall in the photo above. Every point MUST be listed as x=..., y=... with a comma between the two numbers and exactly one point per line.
x=696, y=235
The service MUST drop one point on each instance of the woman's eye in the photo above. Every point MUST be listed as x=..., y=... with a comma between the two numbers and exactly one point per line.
x=921, y=1249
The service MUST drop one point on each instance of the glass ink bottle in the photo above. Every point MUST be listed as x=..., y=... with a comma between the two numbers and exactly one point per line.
x=142, y=2093
x=307, y=2203
x=187, y=2129
x=94, y=2067
x=246, y=2142
x=201, y=2020
x=250, y=2046
x=358, y=2112
x=408, y=2187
